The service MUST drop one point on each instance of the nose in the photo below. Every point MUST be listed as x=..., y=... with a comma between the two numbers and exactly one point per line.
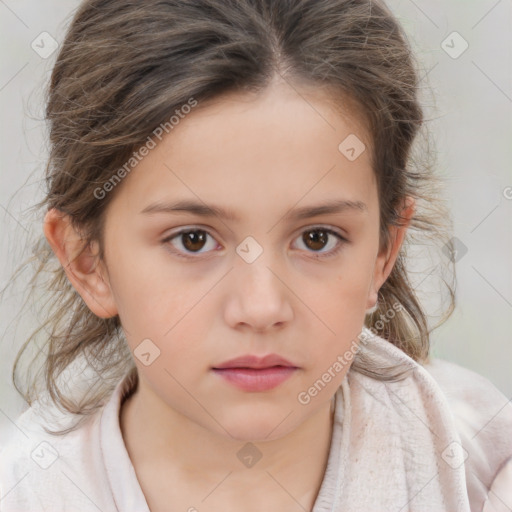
x=258, y=297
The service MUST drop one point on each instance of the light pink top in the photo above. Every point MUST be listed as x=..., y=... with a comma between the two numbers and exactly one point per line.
x=440, y=440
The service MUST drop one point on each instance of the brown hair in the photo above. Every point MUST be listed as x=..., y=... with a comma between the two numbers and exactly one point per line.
x=126, y=66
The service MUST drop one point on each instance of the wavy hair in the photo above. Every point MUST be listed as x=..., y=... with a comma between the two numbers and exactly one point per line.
x=125, y=66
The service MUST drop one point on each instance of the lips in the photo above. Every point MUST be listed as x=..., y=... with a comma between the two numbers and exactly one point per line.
x=255, y=362
x=254, y=373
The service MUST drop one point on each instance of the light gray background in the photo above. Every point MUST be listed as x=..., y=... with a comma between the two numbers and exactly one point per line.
x=471, y=108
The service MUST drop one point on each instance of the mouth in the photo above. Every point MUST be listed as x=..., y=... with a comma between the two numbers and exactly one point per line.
x=256, y=362
x=256, y=379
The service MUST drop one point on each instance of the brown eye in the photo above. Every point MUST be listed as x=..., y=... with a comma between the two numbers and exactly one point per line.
x=316, y=240
x=193, y=240
x=190, y=241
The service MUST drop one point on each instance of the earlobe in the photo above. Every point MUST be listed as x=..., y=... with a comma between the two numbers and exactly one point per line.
x=387, y=257
x=81, y=263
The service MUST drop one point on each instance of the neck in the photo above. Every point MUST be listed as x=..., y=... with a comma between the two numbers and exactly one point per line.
x=161, y=441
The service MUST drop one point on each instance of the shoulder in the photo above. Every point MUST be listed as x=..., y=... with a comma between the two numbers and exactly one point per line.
x=483, y=418
x=459, y=406
x=483, y=413
x=43, y=471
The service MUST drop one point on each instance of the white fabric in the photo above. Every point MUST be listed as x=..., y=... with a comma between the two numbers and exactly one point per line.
x=396, y=446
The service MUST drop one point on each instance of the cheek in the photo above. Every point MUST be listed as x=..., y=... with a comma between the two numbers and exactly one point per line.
x=342, y=307
x=145, y=285
x=169, y=312
x=349, y=288
x=156, y=310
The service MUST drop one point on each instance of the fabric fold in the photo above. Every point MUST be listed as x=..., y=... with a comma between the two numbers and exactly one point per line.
x=399, y=449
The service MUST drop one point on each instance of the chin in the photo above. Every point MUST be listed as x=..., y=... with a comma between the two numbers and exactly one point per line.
x=257, y=427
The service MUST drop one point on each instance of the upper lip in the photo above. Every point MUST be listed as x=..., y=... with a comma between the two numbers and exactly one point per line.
x=253, y=361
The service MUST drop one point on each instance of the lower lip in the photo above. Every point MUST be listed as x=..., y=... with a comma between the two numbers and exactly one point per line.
x=250, y=379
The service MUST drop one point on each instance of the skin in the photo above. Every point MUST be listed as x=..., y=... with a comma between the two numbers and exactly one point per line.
x=259, y=156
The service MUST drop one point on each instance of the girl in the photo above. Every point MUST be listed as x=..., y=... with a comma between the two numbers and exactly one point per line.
x=231, y=192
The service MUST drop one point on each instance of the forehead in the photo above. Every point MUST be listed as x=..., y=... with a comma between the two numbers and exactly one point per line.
x=252, y=150
x=306, y=110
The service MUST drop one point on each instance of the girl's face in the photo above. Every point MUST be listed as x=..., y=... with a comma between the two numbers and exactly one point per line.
x=261, y=273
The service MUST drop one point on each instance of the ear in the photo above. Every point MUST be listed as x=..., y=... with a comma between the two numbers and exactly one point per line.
x=387, y=257
x=81, y=262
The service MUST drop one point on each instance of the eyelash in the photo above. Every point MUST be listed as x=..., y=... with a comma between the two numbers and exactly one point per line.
x=332, y=253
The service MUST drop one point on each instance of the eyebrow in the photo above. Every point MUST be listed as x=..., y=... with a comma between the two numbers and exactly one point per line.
x=203, y=210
